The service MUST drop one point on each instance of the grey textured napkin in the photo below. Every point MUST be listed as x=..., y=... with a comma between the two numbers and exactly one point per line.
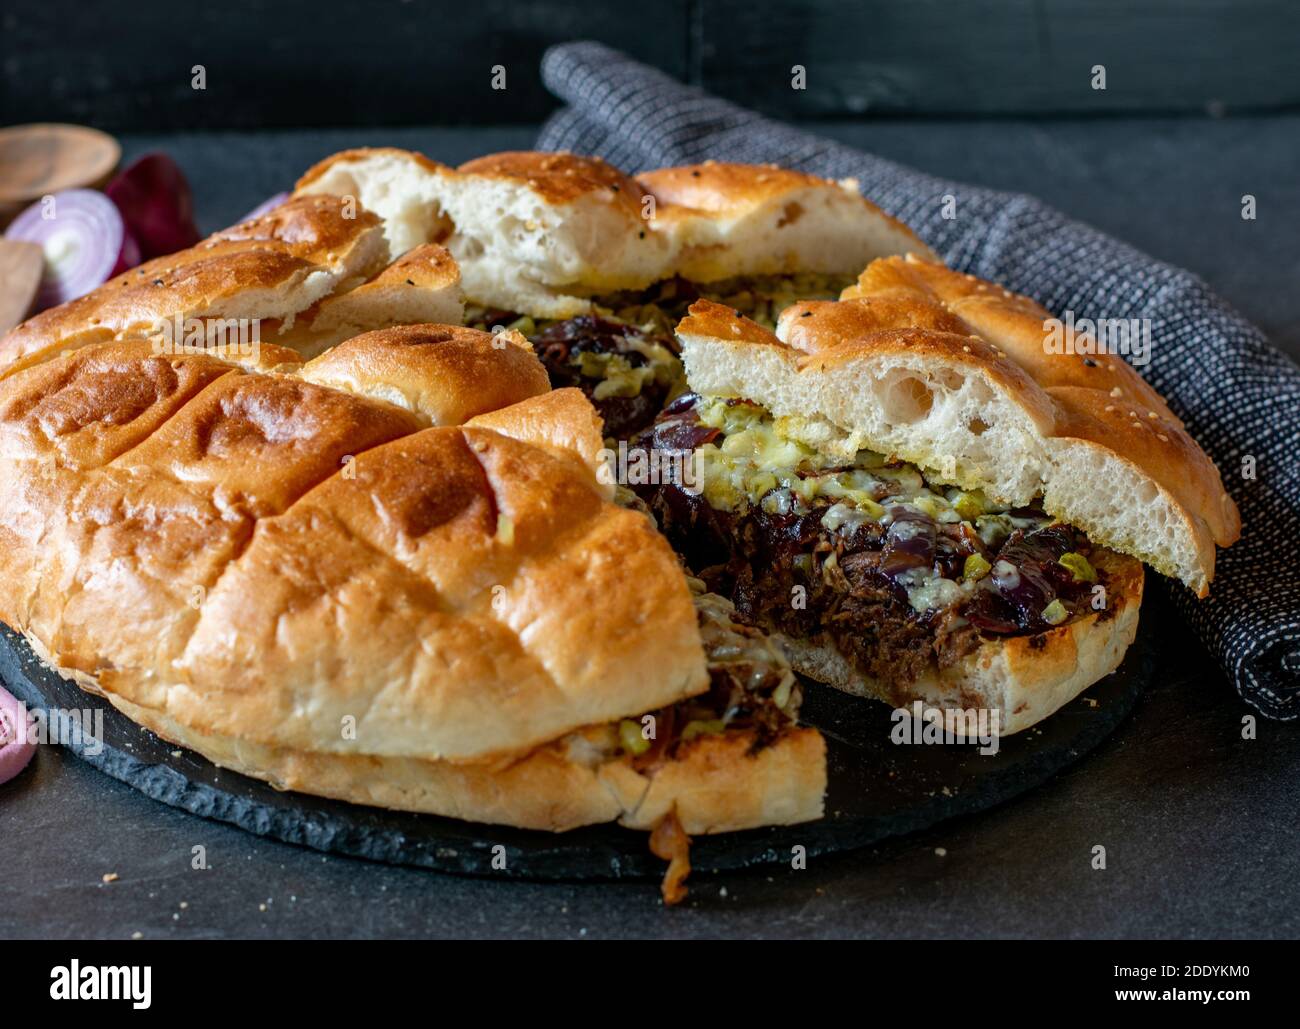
x=1238, y=395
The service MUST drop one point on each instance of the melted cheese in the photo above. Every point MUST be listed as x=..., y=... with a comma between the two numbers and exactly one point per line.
x=793, y=464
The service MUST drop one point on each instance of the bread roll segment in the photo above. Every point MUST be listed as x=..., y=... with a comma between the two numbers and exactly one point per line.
x=525, y=227
x=558, y=220
x=897, y=366
x=727, y=220
x=401, y=186
x=442, y=374
x=543, y=233
x=420, y=287
x=300, y=573
x=303, y=277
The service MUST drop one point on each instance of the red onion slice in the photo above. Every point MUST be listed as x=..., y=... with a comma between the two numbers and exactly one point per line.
x=85, y=241
x=156, y=202
x=15, y=748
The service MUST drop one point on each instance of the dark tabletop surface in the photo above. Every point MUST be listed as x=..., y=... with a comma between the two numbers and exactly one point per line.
x=1199, y=825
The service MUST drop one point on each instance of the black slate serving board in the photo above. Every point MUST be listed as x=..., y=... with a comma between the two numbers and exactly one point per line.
x=876, y=788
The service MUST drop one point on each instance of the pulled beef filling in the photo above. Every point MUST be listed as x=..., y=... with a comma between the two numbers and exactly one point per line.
x=624, y=356
x=863, y=583
x=751, y=687
x=561, y=348
x=627, y=368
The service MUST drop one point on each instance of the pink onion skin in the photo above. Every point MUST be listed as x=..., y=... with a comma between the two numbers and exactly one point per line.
x=104, y=245
x=15, y=750
x=155, y=200
x=265, y=207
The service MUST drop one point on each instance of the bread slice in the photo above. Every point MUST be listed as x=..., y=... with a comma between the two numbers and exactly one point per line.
x=952, y=375
x=525, y=227
x=566, y=223
x=403, y=187
x=420, y=287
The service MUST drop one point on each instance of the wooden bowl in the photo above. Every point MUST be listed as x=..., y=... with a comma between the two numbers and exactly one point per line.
x=39, y=159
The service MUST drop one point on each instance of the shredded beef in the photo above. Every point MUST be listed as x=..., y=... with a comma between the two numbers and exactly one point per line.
x=561, y=342
x=746, y=672
x=852, y=586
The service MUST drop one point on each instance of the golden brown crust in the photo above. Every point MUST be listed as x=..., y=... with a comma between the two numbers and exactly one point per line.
x=725, y=189
x=97, y=403
x=481, y=596
x=313, y=228
x=444, y=374
x=710, y=318
x=428, y=266
x=723, y=186
x=562, y=422
x=560, y=178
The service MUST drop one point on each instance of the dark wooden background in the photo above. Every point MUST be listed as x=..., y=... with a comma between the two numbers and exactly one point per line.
x=279, y=63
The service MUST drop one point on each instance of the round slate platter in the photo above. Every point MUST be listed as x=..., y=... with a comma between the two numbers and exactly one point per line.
x=877, y=788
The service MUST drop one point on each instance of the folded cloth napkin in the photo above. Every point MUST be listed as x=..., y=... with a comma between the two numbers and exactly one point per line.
x=1238, y=395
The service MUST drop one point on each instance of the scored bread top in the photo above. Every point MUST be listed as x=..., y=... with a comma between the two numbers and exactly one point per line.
x=953, y=375
x=443, y=374
x=280, y=556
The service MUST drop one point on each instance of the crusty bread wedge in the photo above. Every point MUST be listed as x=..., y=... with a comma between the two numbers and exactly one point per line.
x=951, y=374
x=542, y=234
